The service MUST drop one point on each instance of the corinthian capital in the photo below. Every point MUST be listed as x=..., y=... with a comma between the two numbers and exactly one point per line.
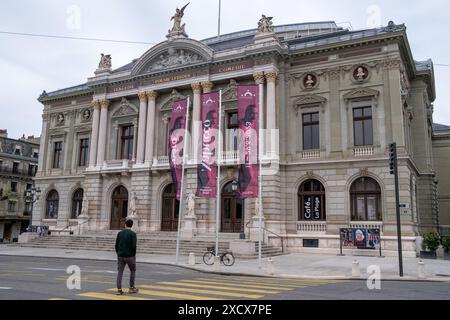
x=142, y=96
x=95, y=104
x=152, y=95
x=197, y=87
x=105, y=104
x=271, y=76
x=207, y=86
x=259, y=77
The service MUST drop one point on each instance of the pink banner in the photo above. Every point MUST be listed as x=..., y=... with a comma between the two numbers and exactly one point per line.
x=208, y=150
x=177, y=130
x=248, y=103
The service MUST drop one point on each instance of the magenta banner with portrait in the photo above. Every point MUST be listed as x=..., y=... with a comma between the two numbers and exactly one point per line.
x=177, y=131
x=208, y=150
x=248, y=103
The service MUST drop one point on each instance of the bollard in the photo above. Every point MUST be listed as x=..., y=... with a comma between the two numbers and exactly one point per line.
x=356, y=271
x=421, y=270
x=216, y=264
x=270, y=267
x=191, y=259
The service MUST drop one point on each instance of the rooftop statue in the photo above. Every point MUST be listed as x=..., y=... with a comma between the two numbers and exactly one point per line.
x=265, y=24
x=105, y=62
x=177, y=26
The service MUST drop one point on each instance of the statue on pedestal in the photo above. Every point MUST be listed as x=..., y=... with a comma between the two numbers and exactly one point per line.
x=265, y=25
x=191, y=205
x=84, y=208
x=133, y=210
x=178, y=28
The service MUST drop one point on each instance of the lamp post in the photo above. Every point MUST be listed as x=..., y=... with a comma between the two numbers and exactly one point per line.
x=31, y=197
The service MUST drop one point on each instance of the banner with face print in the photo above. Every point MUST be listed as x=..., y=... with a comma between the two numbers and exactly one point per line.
x=177, y=131
x=248, y=103
x=208, y=151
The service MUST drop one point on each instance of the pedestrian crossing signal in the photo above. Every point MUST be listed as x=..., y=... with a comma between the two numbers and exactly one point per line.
x=392, y=157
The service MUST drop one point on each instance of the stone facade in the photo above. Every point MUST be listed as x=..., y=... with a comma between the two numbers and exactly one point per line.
x=341, y=72
x=18, y=166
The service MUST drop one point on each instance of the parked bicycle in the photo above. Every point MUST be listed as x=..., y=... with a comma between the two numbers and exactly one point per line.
x=226, y=258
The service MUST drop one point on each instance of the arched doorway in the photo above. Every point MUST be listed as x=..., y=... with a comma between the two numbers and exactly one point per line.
x=119, y=208
x=170, y=209
x=77, y=203
x=232, y=210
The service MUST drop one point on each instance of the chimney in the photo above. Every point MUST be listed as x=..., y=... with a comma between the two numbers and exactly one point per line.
x=3, y=133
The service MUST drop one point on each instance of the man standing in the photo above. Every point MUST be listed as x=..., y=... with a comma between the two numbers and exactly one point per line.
x=126, y=243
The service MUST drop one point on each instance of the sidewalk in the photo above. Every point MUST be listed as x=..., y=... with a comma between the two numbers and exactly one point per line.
x=310, y=266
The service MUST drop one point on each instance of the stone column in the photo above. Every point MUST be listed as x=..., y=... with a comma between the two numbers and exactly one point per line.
x=102, y=132
x=271, y=78
x=260, y=80
x=43, y=152
x=150, y=141
x=196, y=120
x=142, y=131
x=94, y=136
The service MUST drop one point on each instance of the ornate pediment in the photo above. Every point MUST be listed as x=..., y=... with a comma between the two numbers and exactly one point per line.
x=166, y=104
x=125, y=109
x=310, y=100
x=230, y=93
x=362, y=93
x=173, y=54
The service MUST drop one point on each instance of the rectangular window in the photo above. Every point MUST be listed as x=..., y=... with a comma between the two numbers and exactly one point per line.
x=57, y=155
x=84, y=153
x=17, y=152
x=11, y=206
x=36, y=155
x=13, y=186
x=127, y=141
x=15, y=167
x=233, y=127
x=363, y=126
x=31, y=170
x=311, y=131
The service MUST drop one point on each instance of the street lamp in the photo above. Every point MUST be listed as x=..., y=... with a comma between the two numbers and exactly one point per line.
x=32, y=195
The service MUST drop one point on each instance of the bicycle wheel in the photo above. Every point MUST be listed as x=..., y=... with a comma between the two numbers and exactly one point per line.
x=228, y=259
x=208, y=258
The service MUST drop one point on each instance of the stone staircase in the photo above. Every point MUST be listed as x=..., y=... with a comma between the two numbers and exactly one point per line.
x=152, y=243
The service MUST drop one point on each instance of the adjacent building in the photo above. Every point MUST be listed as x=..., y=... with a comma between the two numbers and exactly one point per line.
x=333, y=101
x=18, y=166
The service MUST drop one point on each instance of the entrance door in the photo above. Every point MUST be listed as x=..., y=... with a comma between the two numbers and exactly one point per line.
x=7, y=233
x=119, y=208
x=232, y=211
x=170, y=209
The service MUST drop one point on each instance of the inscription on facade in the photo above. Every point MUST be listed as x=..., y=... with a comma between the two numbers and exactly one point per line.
x=126, y=87
x=231, y=68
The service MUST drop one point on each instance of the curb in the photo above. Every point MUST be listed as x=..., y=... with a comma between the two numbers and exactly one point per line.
x=228, y=273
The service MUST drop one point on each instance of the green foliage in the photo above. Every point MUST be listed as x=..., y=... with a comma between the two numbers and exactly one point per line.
x=431, y=241
x=446, y=243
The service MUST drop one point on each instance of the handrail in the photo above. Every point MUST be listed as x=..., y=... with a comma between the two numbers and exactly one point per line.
x=267, y=230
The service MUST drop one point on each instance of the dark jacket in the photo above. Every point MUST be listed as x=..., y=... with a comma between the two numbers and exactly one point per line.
x=126, y=243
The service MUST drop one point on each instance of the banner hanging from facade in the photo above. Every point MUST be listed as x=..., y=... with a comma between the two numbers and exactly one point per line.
x=208, y=152
x=248, y=103
x=177, y=131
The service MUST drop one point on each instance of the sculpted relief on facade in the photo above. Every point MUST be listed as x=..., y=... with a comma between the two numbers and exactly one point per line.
x=174, y=58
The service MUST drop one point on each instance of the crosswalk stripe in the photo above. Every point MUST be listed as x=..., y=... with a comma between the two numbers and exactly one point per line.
x=212, y=292
x=172, y=295
x=219, y=287
x=58, y=299
x=106, y=296
x=250, y=282
x=287, y=282
x=239, y=285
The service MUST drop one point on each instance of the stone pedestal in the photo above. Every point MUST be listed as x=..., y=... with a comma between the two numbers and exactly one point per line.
x=243, y=247
x=189, y=228
x=27, y=237
x=83, y=223
x=265, y=37
x=135, y=223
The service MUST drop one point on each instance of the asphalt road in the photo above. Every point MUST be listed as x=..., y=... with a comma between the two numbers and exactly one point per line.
x=46, y=279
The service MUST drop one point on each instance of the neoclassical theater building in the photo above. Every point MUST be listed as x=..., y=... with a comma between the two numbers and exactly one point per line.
x=333, y=101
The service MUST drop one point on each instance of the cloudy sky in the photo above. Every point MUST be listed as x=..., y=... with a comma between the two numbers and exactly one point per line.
x=28, y=65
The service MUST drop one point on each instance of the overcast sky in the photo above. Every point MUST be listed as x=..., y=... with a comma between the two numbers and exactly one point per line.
x=29, y=65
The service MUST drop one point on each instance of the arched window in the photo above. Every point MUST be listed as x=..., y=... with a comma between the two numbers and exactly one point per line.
x=77, y=203
x=365, y=195
x=170, y=209
x=311, y=199
x=52, y=205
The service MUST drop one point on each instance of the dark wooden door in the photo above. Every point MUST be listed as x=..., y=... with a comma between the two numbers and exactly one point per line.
x=7, y=233
x=119, y=208
x=232, y=211
x=170, y=209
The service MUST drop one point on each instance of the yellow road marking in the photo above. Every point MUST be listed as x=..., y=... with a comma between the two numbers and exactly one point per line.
x=265, y=284
x=289, y=282
x=107, y=296
x=219, y=287
x=239, y=285
x=172, y=295
x=217, y=293
x=58, y=299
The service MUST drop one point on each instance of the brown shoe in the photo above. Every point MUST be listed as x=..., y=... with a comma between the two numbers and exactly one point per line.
x=133, y=290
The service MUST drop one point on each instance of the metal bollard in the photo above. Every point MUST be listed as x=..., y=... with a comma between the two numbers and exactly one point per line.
x=270, y=267
x=191, y=259
x=356, y=271
x=422, y=270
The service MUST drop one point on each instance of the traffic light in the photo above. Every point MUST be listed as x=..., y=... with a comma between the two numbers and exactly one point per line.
x=392, y=157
